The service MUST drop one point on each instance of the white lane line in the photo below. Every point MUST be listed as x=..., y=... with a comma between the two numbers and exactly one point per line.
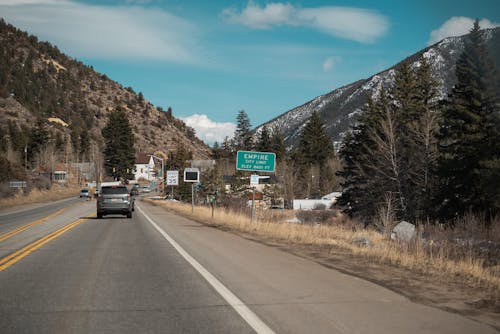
x=248, y=315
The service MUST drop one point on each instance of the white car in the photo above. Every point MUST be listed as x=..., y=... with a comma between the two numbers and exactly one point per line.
x=84, y=193
x=146, y=189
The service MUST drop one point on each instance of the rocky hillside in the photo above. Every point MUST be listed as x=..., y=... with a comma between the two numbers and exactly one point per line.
x=38, y=82
x=339, y=108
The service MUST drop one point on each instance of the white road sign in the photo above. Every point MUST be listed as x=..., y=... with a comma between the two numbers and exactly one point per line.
x=172, y=177
x=254, y=180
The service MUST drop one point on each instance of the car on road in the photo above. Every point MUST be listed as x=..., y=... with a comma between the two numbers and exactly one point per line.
x=84, y=193
x=115, y=200
x=146, y=189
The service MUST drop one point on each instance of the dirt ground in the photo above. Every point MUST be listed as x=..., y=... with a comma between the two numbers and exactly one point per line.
x=431, y=290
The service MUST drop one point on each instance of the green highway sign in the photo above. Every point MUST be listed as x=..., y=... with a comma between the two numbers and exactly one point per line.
x=256, y=161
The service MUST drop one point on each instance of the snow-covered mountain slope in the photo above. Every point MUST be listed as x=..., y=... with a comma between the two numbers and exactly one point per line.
x=339, y=107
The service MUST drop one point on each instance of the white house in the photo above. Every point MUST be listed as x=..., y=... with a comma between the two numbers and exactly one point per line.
x=144, y=167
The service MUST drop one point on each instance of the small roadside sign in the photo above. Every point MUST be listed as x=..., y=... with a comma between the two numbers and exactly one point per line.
x=192, y=175
x=254, y=180
x=172, y=177
x=256, y=161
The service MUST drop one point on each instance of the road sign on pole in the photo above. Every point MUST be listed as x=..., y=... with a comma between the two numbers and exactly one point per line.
x=256, y=161
x=254, y=180
x=192, y=175
x=172, y=177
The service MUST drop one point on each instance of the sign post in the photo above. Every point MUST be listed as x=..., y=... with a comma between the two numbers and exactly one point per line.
x=257, y=162
x=254, y=181
x=172, y=179
x=192, y=175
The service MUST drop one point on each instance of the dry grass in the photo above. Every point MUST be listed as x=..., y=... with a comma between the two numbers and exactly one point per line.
x=425, y=258
x=40, y=195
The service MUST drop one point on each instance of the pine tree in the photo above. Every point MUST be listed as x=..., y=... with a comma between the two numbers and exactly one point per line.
x=264, y=141
x=119, y=151
x=278, y=143
x=84, y=144
x=243, y=133
x=38, y=137
x=359, y=198
x=406, y=112
x=469, y=141
x=315, y=146
x=313, y=152
x=423, y=132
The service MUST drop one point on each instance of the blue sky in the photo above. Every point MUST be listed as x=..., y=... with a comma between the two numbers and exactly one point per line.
x=210, y=59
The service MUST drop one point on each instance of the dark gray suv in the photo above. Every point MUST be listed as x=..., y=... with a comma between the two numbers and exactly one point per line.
x=114, y=199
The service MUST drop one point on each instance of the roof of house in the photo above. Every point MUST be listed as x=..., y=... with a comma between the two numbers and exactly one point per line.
x=142, y=158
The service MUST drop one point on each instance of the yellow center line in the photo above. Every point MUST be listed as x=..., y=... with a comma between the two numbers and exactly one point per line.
x=25, y=251
x=27, y=226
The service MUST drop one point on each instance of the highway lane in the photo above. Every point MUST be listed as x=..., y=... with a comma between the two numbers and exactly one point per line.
x=19, y=228
x=113, y=275
x=11, y=218
x=119, y=275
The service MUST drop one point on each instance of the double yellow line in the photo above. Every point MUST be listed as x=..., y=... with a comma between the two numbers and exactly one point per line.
x=25, y=251
x=27, y=226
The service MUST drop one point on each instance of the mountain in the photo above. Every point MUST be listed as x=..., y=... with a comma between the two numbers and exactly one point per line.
x=72, y=102
x=338, y=109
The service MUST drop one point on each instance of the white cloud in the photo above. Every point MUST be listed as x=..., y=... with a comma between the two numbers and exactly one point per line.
x=356, y=24
x=330, y=62
x=113, y=32
x=256, y=17
x=458, y=26
x=208, y=130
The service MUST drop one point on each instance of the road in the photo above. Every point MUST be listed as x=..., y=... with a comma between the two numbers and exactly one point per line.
x=63, y=271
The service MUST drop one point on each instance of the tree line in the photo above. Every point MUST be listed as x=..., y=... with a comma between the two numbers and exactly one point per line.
x=412, y=156
x=306, y=170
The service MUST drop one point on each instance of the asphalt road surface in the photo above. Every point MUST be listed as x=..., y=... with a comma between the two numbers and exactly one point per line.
x=64, y=271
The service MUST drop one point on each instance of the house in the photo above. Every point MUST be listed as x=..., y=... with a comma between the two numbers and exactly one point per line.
x=57, y=174
x=144, y=167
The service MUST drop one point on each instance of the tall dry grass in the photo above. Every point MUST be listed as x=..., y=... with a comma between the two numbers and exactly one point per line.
x=437, y=259
x=40, y=195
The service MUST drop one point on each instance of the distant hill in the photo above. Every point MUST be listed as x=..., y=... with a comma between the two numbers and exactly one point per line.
x=38, y=82
x=338, y=109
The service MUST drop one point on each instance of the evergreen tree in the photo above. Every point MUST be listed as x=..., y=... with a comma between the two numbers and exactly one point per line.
x=424, y=131
x=84, y=144
x=314, y=150
x=3, y=140
x=469, y=167
x=243, y=133
x=405, y=114
x=119, y=151
x=278, y=143
x=315, y=146
x=391, y=154
x=38, y=138
x=216, y=151
x=362, y=193
x=264, y=141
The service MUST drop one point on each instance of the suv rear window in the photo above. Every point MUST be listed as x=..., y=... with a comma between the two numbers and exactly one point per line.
x=114, y=190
